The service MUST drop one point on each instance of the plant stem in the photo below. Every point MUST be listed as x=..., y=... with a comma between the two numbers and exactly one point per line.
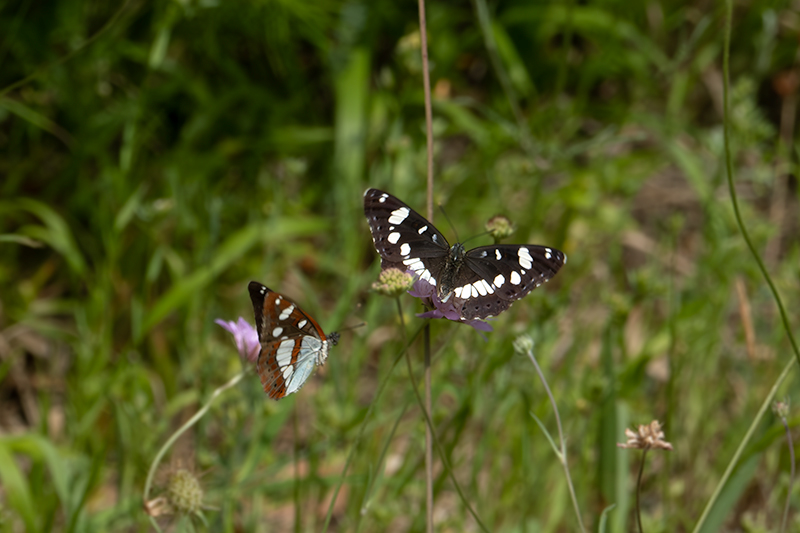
x=562, y=443
x=426, y=81
x=639, y=491
x=791, y=475
x=189, y=423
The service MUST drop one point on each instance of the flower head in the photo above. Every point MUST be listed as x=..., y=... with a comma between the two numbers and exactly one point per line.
x=427, y=293
x=393, y=282
x=781, y=408
x=245, y=336
x=646, y=437
x=182, y=495
x=499, y=227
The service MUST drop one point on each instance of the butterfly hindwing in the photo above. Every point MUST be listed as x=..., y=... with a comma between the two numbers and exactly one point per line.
x=292, y=342
x=483, y=281
x=500, y=274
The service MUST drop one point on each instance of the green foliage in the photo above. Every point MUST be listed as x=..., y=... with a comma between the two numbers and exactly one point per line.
x=157, y=157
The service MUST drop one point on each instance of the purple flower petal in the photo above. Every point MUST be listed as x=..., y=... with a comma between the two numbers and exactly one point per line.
x=245, y=336
x=427, y=293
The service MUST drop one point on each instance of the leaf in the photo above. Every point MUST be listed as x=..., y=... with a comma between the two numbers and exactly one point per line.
x=16, y=488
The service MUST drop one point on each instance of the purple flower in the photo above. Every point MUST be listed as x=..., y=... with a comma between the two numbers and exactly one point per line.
x=427, y=293
x=245, y=336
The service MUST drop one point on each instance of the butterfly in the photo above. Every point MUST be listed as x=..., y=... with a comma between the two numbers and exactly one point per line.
x=292, y=342
x=483, y=282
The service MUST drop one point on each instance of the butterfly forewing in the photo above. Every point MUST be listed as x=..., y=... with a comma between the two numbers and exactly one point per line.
x=483, y=282
x=403, y=238
x=292, y=342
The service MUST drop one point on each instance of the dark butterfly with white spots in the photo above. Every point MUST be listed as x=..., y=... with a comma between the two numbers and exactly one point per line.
x=292, y=343
x=484, y=281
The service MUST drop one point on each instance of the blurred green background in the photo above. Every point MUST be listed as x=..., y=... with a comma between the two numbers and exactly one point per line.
x=160, y=155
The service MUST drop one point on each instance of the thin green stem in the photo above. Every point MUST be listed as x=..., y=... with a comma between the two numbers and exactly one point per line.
x=562, y=441
x=732, y=190
x=791, y=475
x=189, y=423
x=296, y=453
x=361, y=429
x=740, y=450
x=440, y=448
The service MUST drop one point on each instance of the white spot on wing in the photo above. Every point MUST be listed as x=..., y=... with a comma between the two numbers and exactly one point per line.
x=487, y=286
x=277, y=331
x=474, y=291
x=286, y=313
x=499, y=280
x=497, y=254
x=302, y=324
x=383, y=198
x=284, y=352
x=422, y=230
x=398, y=215
x=457, y=292
x=405, y=249
x=548, y=253
x=515, y=279
x=525, y=259
x=393, y=237
x=480, y=288
x=425, y=275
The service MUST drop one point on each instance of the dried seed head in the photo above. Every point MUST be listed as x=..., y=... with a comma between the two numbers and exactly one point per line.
x=646, y=437
x=781, y=408
x=184, y=492
x=393, y=282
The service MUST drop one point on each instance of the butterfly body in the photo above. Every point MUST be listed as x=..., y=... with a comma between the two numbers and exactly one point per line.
x=292, y=343
x=483, y=281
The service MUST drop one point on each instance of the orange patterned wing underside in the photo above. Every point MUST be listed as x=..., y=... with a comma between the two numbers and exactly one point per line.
x=292, y=342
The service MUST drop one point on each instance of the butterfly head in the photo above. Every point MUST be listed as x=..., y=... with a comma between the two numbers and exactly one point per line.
x=457, y=253
x=333, y=338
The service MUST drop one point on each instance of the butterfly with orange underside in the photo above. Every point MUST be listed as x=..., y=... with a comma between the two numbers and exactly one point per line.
x=292, y=343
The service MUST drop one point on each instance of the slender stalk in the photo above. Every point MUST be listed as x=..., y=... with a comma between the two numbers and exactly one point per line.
x=426, y=82
x=296, y=450
x=361, y=429
x=791, y=475
x=639, y=491
x=742, y=445
x=732, y=190
x=561, y=440
x=440, y=449
x=189, y=423
x=428, y=431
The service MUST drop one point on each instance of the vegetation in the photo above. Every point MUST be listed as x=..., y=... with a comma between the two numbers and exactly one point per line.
x=156, y=157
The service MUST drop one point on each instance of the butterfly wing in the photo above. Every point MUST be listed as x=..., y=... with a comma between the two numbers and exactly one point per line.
x=498, y=275
x=403, y=238
x=292, y=342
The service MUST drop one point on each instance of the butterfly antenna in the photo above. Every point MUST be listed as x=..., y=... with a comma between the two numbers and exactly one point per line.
x=447, y=218
x=353, y=327
x=476, y=236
